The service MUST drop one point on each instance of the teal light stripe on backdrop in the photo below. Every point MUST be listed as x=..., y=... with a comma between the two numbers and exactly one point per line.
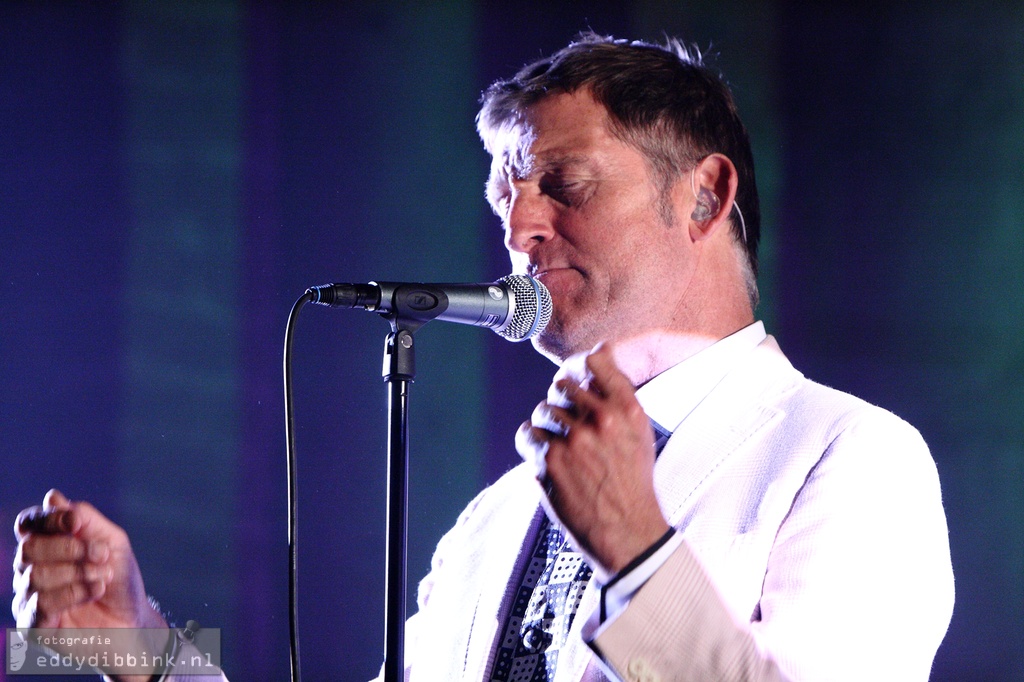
x=181, y=70
x=414, y=161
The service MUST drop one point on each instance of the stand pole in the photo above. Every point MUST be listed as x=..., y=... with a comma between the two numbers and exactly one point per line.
x=399, y=371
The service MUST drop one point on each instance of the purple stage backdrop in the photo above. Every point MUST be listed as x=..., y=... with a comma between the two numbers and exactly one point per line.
x=174, y=175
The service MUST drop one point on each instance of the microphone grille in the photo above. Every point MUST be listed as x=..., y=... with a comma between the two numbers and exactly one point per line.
x=531, y=308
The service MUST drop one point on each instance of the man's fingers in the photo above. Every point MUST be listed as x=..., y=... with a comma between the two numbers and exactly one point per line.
x=532, y=446
x=56, y=515
x=582, y=402
x=551, y=418
x=43, y=609
x=48, y=577
x=596, y=380
x=605, y=376
x=45, y=521
x=59, y=516
x=36, y=548
x=574, y=367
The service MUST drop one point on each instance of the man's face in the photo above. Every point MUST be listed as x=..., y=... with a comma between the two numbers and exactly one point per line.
x=580, y=213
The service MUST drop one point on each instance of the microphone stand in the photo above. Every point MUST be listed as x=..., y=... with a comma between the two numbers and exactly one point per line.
x=399, y=370
x=407, y=307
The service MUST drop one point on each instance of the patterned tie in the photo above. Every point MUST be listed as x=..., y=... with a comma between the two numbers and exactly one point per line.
x=549, y=595
x=545, y=605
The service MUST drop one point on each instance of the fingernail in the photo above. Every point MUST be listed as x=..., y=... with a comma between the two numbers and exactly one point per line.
x=98, y=551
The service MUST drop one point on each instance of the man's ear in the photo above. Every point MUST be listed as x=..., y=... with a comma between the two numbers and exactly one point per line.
x=712, y=193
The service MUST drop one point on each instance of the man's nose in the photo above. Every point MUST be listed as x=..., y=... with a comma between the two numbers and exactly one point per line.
x=530, y=219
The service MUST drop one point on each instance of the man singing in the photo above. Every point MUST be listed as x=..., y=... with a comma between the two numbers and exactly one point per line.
x=690, y=506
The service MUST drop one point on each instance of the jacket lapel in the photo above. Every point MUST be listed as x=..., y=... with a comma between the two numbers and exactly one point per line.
x=735, y=412
x=498, y=569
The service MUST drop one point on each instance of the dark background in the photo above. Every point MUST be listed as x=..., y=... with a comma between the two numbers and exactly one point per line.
x=174, y=175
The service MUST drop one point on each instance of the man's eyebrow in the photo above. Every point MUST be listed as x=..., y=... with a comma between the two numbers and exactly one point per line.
x=548, y=162
x=560, y=161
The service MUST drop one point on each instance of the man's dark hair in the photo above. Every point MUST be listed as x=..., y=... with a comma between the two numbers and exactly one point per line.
x=662, y=100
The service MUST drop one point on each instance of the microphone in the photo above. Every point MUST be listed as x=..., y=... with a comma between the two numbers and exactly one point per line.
x=516, y=307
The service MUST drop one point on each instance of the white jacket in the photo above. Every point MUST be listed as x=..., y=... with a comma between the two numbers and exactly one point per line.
x=815, y=549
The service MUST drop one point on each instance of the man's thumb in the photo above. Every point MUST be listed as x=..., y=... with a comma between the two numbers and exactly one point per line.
x=55, y=499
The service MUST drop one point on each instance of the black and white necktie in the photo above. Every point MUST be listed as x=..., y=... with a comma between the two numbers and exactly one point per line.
x=550, y=589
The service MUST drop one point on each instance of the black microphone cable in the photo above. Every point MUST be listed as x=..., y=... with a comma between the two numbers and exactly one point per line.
x=293, y=490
